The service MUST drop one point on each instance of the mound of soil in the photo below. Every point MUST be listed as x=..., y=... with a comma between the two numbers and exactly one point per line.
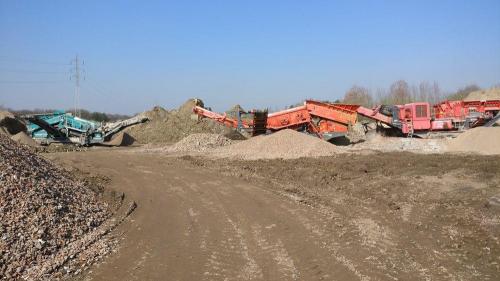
x=489, y=94
x=199, y=143
x=482, y=140
x=284, y=144
x=171, y=126
x=42, y=211
x=9, y=124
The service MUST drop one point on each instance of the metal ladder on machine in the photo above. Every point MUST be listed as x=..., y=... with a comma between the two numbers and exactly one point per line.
x=409, y=125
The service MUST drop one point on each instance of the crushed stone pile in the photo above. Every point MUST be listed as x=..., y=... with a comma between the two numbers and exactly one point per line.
x=482, y=140
x=199, y=143
x=42, y=211
x=171, y=126
x=286, y=144
x=488, y=94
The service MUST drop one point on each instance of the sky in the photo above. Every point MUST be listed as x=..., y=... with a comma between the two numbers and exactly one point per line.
x=260, y=54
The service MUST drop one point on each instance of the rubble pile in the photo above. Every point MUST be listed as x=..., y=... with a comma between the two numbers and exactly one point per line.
x=43, y=211
x=199, y=143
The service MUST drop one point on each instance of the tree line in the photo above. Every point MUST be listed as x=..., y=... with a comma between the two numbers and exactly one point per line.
x=400, y=92
x=85, y=114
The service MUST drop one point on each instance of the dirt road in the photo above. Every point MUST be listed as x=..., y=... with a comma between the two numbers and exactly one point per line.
x=195, y=225
x=203, y=220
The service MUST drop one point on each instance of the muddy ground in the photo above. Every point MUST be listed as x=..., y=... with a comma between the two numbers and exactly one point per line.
x=391, y=216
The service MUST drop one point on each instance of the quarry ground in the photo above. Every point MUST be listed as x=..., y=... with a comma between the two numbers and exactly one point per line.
x=369, y=216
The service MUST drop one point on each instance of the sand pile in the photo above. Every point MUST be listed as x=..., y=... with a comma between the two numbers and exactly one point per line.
x=286, y=144
x=42, y=211
x=23, y=138
x=171, y=126
x=199, y=143
x=488, y=94
x=483, y=140
x=121, y=139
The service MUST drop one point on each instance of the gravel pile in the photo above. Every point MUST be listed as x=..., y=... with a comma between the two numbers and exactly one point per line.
x=286, y=144
x=43, y=214
x=199, y=143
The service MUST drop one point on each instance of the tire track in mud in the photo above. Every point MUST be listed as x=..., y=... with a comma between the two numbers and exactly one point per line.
x=226, y=251
x=279, y=254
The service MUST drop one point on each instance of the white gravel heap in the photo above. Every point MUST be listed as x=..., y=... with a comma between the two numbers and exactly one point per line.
x=42, y=211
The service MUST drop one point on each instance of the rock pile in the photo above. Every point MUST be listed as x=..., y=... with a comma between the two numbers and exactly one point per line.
x=286, y=144
x=199, y=143
x=43, y=211
x=171, y=126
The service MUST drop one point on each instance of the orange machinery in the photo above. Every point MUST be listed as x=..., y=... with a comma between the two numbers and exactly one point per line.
x=323, y=119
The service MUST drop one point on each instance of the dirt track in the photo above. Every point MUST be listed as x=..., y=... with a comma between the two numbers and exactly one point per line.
x=372, y=217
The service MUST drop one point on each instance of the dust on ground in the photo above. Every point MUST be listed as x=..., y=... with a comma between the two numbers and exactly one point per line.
x=378, y=142
x=383, y=216
x=393, y=215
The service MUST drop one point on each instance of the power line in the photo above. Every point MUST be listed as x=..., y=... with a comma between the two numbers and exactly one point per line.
x=29, y=82
x=31, y=71
x=31, y=61
x=97, y=88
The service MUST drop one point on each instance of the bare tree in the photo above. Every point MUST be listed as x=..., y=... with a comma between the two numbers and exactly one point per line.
x=428, y=92
x=358, y=95
x=399, y=93
x=381, y=96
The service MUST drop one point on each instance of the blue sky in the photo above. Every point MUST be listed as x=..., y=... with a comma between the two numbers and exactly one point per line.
x=255, y=53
